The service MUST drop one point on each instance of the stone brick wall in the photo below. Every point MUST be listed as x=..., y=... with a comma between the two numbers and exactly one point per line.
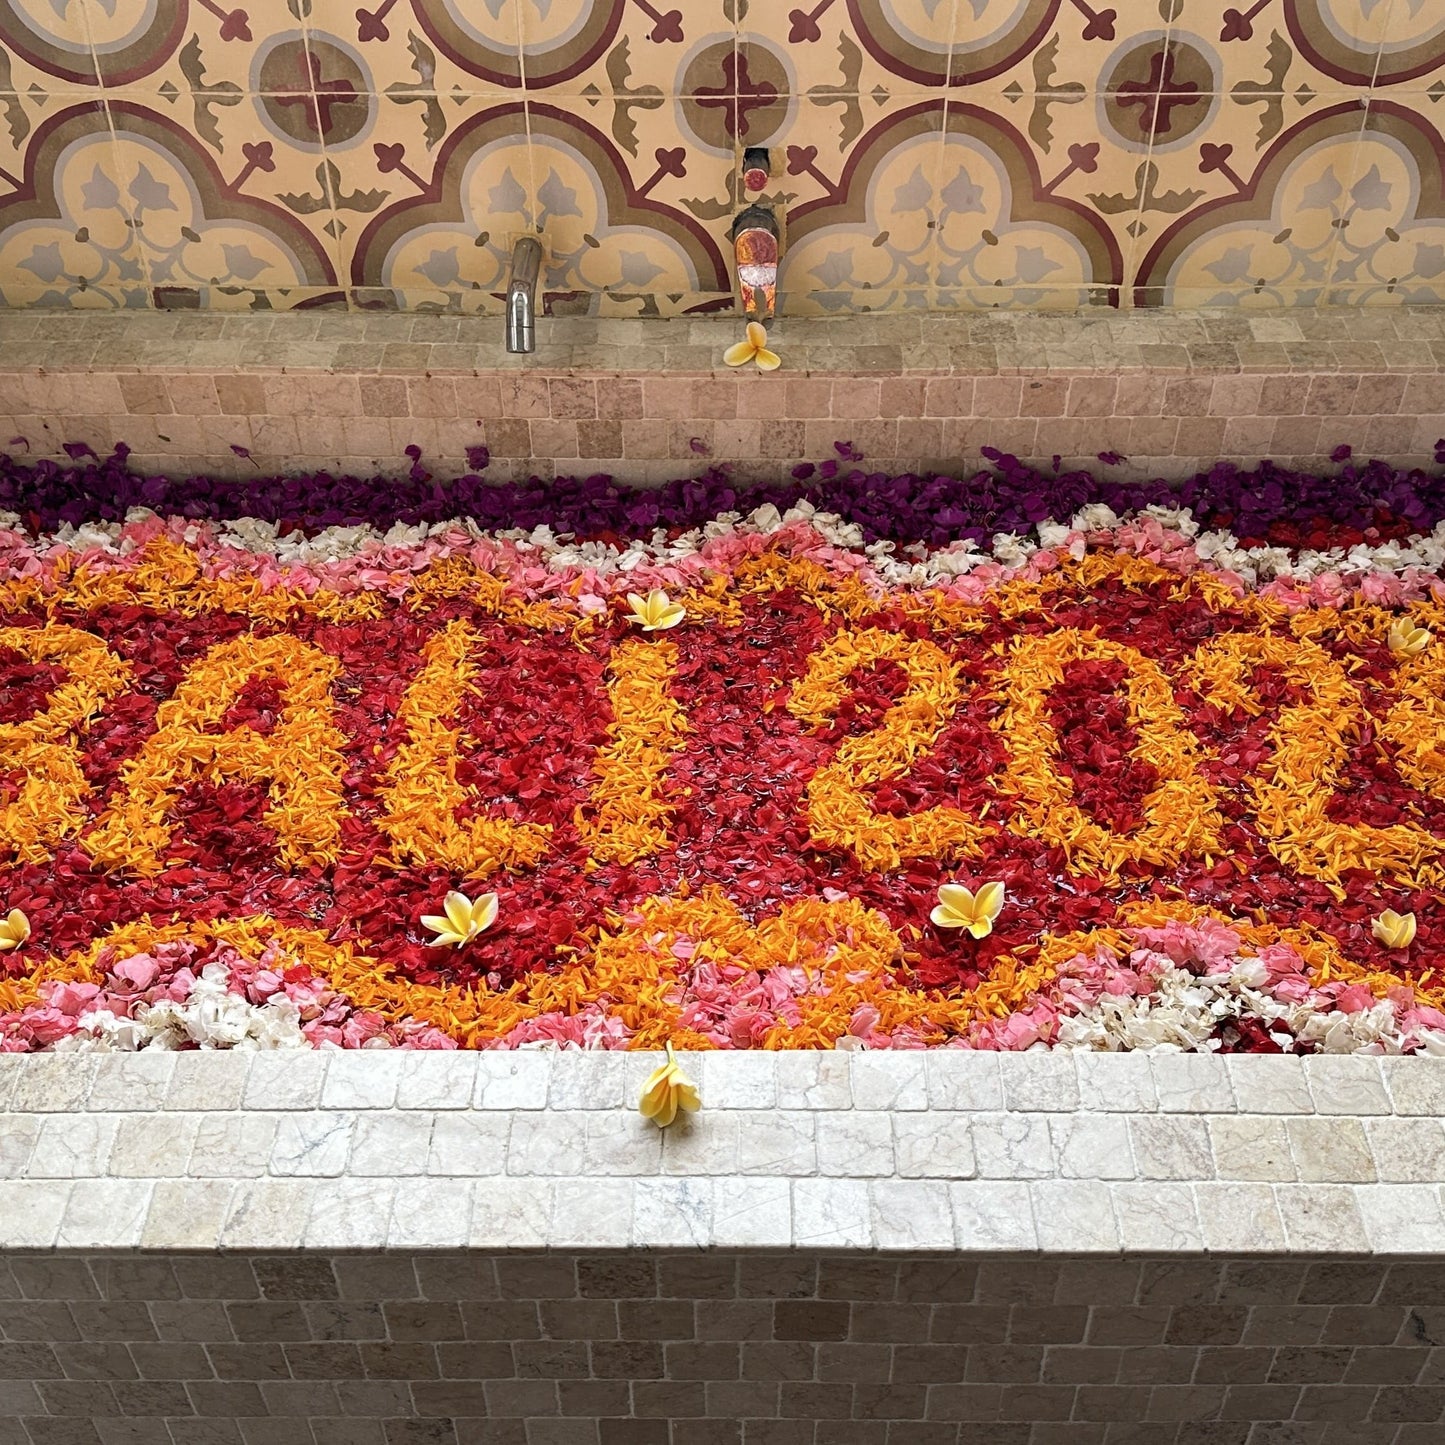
x=718, y=1348
x=879, y=1248
x=648, y=401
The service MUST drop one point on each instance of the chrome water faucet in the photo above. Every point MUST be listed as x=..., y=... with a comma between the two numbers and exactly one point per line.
x=522, y=295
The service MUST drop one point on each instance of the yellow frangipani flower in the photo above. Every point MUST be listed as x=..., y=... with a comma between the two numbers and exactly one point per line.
x=1394, y=930
x=1405, y=637
x=463, y=920
x=960, y=907
x=14, y=930
x=666, y=1091
x=656, y=612
x=755, y=348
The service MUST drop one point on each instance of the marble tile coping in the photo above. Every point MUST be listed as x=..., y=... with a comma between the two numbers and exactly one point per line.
x=876, y=1151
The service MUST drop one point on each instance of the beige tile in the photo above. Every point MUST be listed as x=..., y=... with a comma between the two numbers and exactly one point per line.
x=1296, y=434
x=1379, y=395
x=856, y=398
x=1201, y=436
x=599, y=439
x=671, y=397
x=509, y=437
x=1152, y=436
x=644, y=440
x=145, y=393
x=572, y=398
x=619, y=398
x=434, y=396
x=525, y=396
x=998, y=396
x=1331, y=396
x=1235, y=396
x=478, y=396
x=1046, y=397
x=715, y=397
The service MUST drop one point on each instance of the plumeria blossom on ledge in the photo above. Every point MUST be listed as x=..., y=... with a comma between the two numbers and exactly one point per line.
x=753, y=347
x=1194, y=769
x=667, y=1091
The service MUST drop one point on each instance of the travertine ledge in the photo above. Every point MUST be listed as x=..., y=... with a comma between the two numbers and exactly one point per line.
x=866, y=1151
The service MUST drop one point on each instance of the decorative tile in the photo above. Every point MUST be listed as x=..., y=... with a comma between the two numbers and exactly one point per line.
x=1412, y=49
x=1391, y=240
x=49, y=41
x=179, y=49
x=607, y=233
x=894, y=192
x=947, y=153
x=464, y=205
x=1028, y=210
x=214, y=209
x=658, y=164
x=1261, y=229
x=1279, y=49
x=573, y=47
x=474, y=47
x=67, y=232
x=835, y=50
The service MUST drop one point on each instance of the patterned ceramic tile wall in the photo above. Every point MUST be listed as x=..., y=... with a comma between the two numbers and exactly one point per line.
x=950, y=153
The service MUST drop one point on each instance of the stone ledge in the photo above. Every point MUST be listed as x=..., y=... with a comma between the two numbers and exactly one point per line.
x=1066, y=1216
x=948, y=1150
x=1406, y=338
x=816, y=1081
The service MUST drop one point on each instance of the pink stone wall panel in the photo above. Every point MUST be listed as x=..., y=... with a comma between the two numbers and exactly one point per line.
x=1161, y=390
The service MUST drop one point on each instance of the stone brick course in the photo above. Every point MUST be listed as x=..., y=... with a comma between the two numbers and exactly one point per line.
x=649, y=400
x=719, y=1346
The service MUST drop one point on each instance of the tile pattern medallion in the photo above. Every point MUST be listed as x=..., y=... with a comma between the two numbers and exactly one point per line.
x=275, y=154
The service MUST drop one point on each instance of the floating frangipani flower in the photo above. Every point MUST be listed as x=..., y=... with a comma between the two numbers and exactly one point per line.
x=1394, y=930
x=666, y=1091
x=463, y=919
x=755, y=348
x=14, y=930
x=656, y=612
x=1407, y=638
x=960, y=907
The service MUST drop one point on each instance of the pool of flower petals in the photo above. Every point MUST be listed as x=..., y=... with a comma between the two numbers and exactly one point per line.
x=1114, y=778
